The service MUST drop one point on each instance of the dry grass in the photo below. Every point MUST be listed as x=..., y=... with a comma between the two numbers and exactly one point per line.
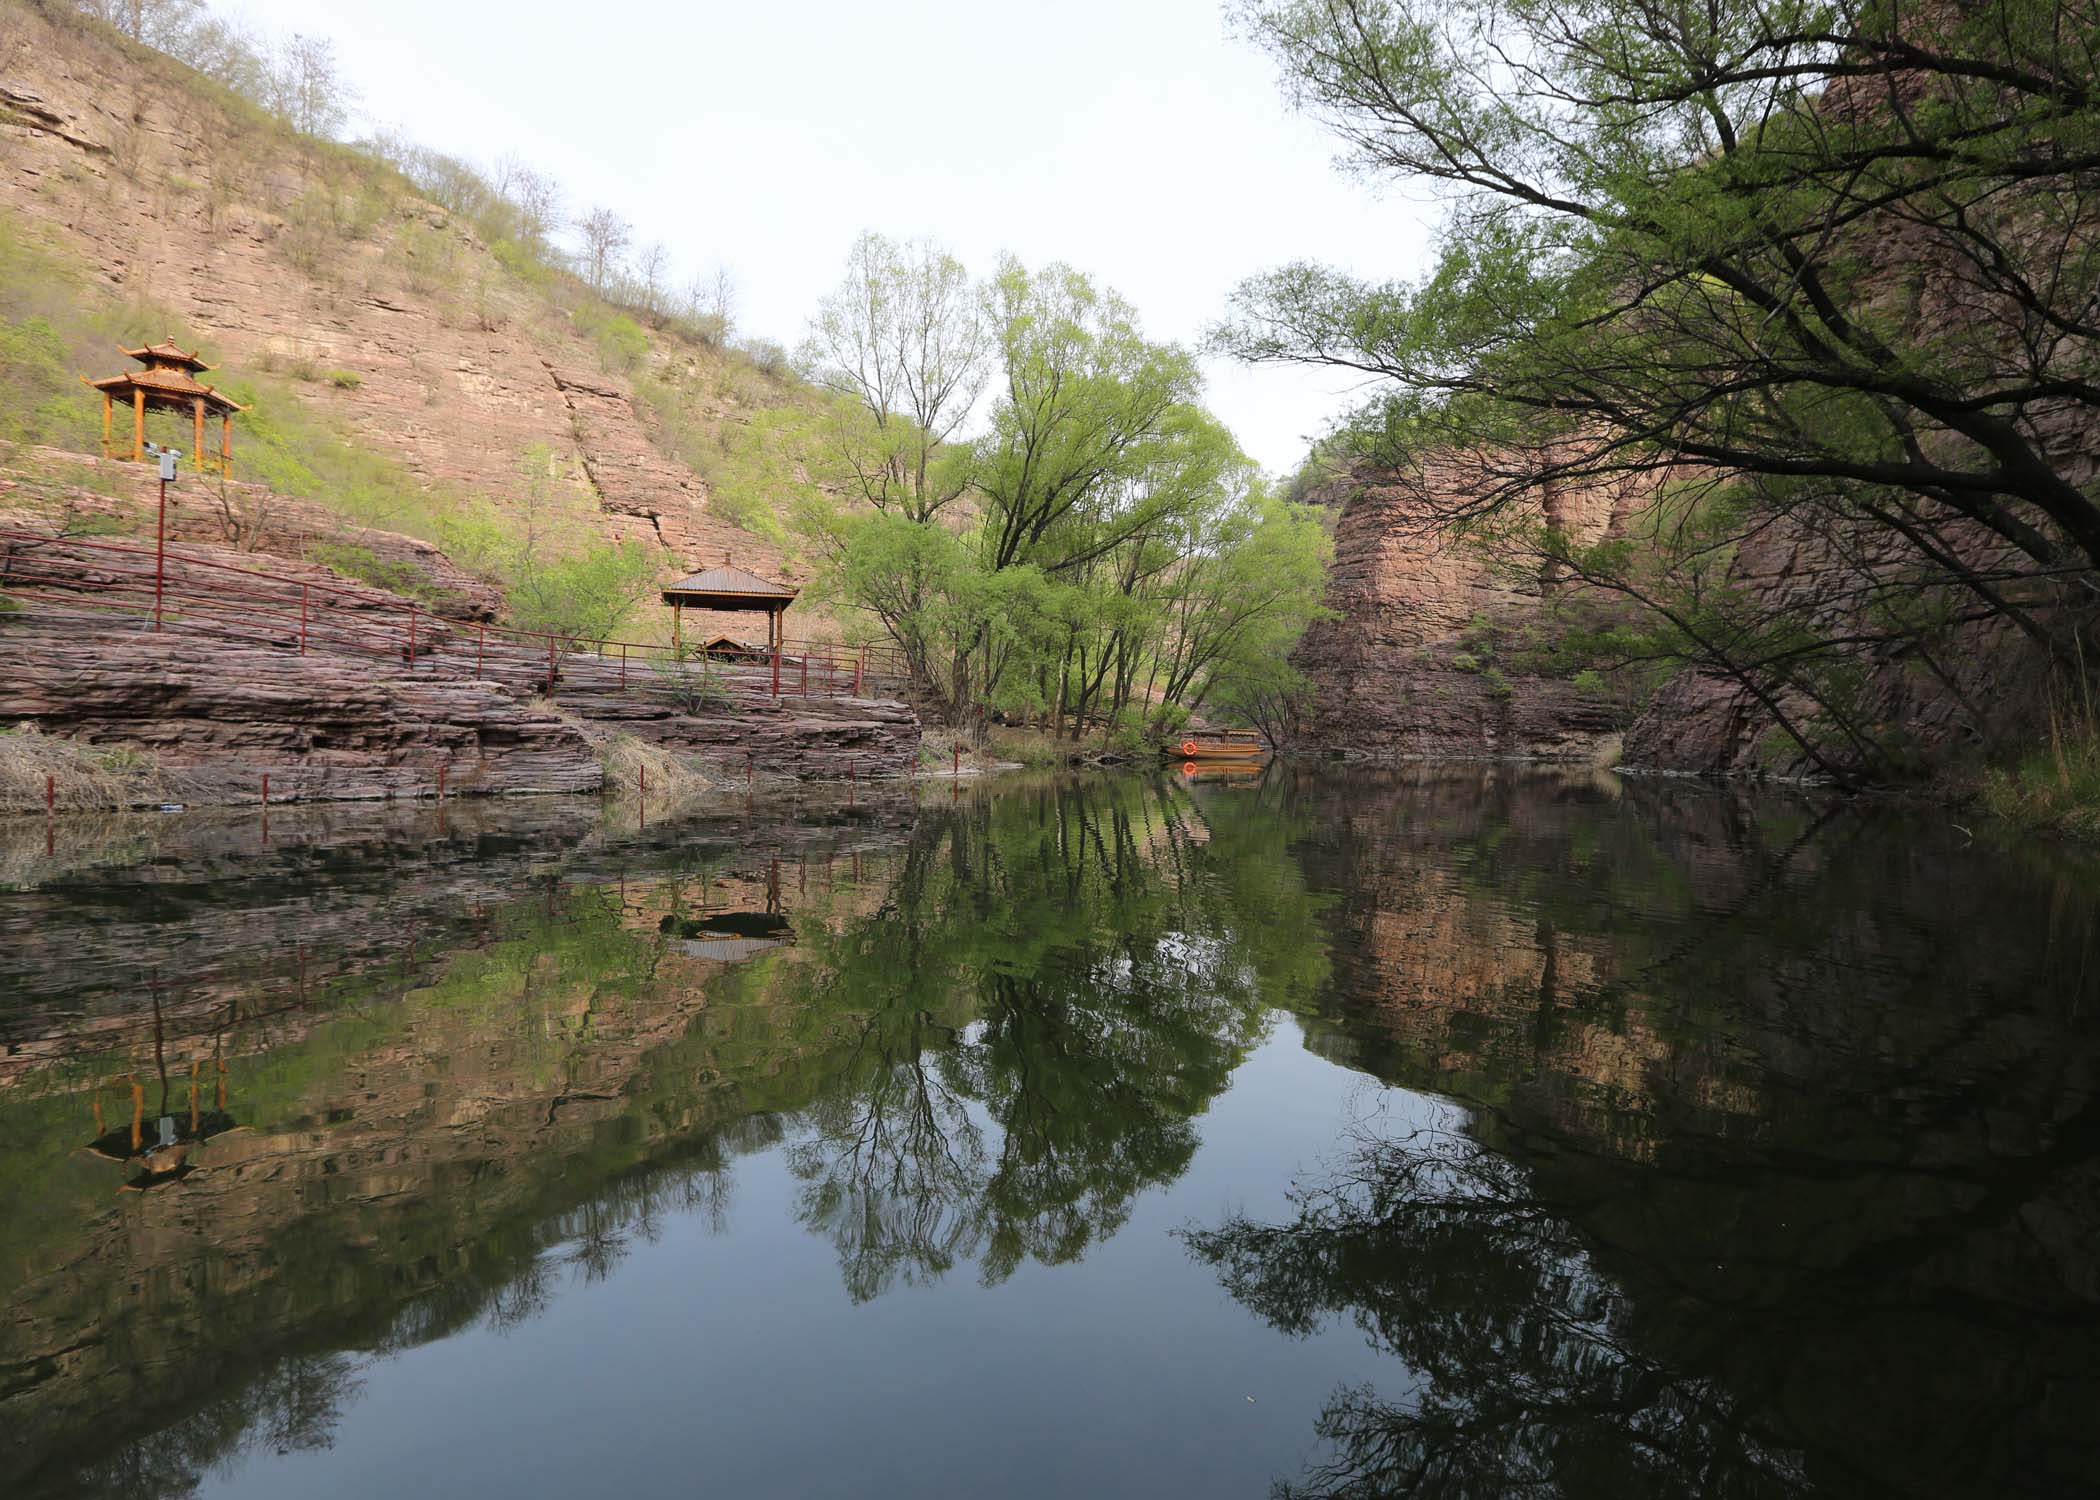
x=634, y=768
x=2058, y=790
x=937, y=748
x=100, y=778
x=633, y=765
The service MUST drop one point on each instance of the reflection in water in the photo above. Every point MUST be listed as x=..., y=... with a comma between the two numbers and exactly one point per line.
x=1061, y=982
x=1750, y=1144
x=1778, y=1170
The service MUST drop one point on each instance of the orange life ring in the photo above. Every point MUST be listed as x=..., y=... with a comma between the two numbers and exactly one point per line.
x=1188, y=747
x=1188, y=768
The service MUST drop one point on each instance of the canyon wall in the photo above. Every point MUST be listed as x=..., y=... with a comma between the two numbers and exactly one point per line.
x=1437, y=650
x=1414, y=661
x=404, y=327
x=335, y=689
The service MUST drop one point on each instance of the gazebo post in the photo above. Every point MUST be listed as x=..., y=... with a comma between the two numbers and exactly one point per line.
x=197, y=448
x=226, y=445
x=109, y=418
x=138, y=424
x=677, y=628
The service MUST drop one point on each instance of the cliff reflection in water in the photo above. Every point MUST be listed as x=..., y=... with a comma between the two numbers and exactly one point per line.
x=470, y=1070
x=1752, y=1141
x=1775, y=1166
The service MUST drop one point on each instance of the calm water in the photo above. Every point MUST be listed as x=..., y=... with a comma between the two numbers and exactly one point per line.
x=1465, y=1133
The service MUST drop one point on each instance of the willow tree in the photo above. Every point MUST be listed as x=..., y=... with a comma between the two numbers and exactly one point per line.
x=1829, y=262
x=903, y=338
x=1061, y=564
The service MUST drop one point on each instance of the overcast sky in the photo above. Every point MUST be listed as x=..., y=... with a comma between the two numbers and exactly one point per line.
x=1134, y=139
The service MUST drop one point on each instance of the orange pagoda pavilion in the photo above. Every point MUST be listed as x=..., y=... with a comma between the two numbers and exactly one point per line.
x=168, y=383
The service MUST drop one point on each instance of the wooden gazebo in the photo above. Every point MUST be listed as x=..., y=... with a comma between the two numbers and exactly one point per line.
x=728, y=589
x=168, y=383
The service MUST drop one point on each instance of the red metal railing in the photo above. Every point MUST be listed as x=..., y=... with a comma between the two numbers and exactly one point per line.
x=304, y=614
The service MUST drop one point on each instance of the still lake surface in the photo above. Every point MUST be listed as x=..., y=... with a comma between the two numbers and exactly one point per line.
x=1459, y=1132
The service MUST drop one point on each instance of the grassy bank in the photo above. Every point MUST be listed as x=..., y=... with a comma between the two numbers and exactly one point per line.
x=2056, y=790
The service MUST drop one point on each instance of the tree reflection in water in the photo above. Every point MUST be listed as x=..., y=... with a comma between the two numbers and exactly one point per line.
x=1527, y=1378
x=1060, y=984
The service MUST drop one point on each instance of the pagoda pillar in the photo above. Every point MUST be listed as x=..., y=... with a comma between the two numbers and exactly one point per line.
x=197, y=448
x=226, y=446
x=138, y=424
x=109, y=418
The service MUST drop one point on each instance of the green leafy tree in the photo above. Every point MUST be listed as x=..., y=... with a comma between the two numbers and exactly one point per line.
x=1832, y=262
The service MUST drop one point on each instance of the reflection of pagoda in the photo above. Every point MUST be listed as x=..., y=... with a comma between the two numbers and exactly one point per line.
x=162, y=1149
x=168, y=383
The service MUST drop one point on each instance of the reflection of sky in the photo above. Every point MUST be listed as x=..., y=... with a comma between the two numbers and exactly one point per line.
x=734, y=1363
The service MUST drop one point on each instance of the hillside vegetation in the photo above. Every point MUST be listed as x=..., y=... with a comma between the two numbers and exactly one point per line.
x=152, y=199
x=462, y=355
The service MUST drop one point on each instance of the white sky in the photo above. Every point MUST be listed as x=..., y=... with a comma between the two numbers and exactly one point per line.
x=1131, y=138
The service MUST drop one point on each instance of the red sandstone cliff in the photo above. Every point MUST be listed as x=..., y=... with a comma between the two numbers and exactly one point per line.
x=1418, y=660
x=172, y=195
x=1438, y=637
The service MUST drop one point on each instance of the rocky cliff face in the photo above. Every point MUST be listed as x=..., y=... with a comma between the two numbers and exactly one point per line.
x=1429, y=653
x=1418, y=660
x=182, y=199
x=338, y=690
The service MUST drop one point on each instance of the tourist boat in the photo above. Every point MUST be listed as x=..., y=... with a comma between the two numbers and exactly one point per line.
x=1236, y=747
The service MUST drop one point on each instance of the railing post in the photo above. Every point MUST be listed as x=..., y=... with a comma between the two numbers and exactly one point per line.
x=160, y=554
x=776, y=669
x=302, y=619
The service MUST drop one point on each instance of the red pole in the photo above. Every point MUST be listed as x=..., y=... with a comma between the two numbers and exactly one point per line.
x=776, y=668
x=302, y=619
x=160, y=554
x=481, y=635
x=50, y=794
x=441, y=783
x=266, y=789
x=645, y=780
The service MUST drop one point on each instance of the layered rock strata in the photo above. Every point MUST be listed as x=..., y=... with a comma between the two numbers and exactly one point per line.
x=1418, y=659
x=337, y=690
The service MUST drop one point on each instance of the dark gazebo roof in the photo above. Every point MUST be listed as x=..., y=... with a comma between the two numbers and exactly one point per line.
x=728, y=587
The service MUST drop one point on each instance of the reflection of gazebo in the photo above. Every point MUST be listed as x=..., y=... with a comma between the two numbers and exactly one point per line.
x=728, y=588
x=168, y=383
x=730, y=937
